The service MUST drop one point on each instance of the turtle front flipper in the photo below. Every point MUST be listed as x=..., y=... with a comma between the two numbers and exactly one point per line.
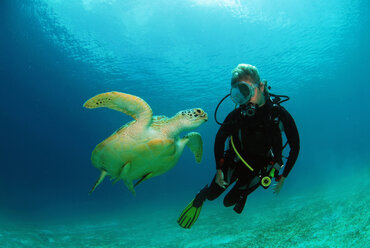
x=194, y=142
x=131, y=105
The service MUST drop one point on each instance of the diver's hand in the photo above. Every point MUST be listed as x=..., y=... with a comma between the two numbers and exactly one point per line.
x=279, y=185
x=220, y=179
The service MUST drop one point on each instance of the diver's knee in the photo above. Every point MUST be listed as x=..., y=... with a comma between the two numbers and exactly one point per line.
x=231, y=198
x=214, y=193
x=211, y=197
x=229, y=202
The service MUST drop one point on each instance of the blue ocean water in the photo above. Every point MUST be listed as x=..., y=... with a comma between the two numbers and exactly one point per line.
x=54, y=55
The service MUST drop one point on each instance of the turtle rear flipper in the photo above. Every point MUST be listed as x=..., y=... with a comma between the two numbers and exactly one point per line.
x=130, y=185
x=101, y=178
x=131, y=105
x=124, y=171
x=145, y=177
x=195, y=143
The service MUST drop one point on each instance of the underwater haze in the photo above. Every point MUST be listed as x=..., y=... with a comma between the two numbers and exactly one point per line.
x=176, y=55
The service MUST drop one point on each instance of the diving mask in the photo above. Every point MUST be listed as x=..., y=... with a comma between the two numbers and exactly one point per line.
x=242, y=92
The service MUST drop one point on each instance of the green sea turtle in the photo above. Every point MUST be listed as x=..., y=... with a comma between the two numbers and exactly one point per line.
x=147, y=146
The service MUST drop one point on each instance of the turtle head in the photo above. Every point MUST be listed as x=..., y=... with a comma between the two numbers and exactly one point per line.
x=185, y=120
x=192, y=118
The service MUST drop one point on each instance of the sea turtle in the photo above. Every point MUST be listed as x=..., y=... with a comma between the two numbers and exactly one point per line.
x=147, y=146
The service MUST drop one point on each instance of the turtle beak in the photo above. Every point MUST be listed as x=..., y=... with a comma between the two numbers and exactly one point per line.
x=200, y=113
x=205, y=116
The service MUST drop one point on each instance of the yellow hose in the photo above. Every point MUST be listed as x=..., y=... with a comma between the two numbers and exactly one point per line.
x=240, y=157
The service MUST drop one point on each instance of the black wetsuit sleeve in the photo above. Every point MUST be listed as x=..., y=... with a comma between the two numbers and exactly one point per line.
x=229, y=125
x=292, y=136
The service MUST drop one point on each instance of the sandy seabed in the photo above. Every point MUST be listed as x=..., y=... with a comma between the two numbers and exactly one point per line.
x=330, y=217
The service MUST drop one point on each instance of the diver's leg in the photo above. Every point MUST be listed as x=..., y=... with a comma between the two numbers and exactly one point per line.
x=238, y=194
x=232, y=197
x=191, y=212
x=201, y=197
x=240, y=203
x=216, y=190
x=242, y=176
x=251, y=183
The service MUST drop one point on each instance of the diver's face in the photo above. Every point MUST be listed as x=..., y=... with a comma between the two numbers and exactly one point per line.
x=258, y=98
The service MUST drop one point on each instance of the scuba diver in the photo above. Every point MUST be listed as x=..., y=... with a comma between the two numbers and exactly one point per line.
x=248, y=146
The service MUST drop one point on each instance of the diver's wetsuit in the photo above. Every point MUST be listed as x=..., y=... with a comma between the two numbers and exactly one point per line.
x=258, y=140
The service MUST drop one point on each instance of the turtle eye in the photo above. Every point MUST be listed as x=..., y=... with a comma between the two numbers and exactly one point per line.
x=198, y=111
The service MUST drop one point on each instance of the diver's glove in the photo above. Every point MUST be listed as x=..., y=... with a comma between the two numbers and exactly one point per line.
x=278, y=178
x=279, y=185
